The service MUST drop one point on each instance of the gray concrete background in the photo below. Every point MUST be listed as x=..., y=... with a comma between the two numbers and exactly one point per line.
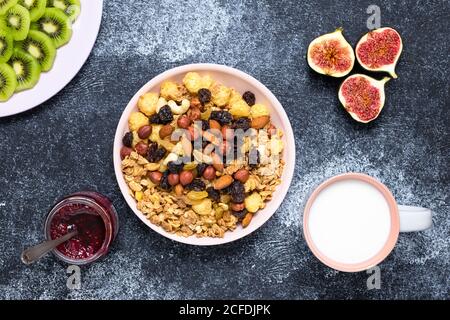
x=65, y=145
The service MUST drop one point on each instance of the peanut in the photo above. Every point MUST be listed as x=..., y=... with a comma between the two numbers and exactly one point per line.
x=242, y=175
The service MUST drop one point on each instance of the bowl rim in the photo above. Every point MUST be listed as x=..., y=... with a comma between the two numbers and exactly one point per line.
x=289, y=157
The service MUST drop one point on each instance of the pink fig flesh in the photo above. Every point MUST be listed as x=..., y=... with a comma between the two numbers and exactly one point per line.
x=379, y=50
x=363, y=97
x=331, y=54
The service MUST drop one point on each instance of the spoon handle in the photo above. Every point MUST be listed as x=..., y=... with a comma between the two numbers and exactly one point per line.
x=34, y=253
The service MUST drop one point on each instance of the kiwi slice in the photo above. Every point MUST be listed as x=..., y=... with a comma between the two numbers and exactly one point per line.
x=41, y=47
x=27, y=69
x=56, y=25
x=71, y=8
x=16, y=20
x=8, y=81
x=35, y=7
x=5, y=5
x=6, y=45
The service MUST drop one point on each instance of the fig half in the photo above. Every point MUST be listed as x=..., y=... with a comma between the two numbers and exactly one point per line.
x=379, y=50
x=363, y=97
x=331, y=54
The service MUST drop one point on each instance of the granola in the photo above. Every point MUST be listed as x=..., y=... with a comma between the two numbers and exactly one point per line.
x=200, y=158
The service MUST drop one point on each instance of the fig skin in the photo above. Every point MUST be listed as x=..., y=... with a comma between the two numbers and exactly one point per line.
x=373, y=86
x=331, y=54
x=391, y=53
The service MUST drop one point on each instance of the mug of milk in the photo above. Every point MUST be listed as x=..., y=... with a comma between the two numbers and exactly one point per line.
x=351, y=222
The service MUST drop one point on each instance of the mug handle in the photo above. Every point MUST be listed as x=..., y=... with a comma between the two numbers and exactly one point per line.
x=414, y=218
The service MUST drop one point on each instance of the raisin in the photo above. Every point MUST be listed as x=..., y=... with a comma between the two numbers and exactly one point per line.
x=128, y=139
x=213, y=194
x=240, y=214
x=205, y=125
x=165, y=115
x=175, y=167
x=241, y=123
x=201, y=168
x=223, y=117
x=155, y=119
x=164, y=184
x=237, y=191
x=249, y=97
x=155, y=155
x=196, y=185
x=204, y=95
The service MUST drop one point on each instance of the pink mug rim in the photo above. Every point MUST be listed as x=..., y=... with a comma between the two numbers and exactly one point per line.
x=393, y=233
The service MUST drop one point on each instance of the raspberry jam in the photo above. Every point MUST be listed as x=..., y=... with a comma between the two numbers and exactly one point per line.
x=95, y=219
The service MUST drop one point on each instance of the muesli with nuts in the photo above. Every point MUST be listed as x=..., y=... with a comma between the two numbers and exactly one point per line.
x=200, y=158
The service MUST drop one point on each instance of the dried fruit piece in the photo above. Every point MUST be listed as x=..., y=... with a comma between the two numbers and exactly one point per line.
x=363, y=97
x=203, y=208
x=260, y=122
x=223, y=117
x=249, y=97
x=247, y=219
x=204, y=95
x=331, y=54
x=213, y=194
x=197, y=195
x=379, y=50
x=253, y=202
x=127, y=139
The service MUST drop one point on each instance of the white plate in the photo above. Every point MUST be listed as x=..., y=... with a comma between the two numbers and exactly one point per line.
x=241, y=82
x=69, y=60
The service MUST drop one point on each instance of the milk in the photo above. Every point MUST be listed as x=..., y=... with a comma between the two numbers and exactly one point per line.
x=349, y=221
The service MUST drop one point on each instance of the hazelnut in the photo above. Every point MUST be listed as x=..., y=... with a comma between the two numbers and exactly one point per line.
x=141, y=148
x=184, y=122
x=144, y=132
x=209, y=173
x=242, y=175
x=125, y=152
x=186, y=177
x=155, y=177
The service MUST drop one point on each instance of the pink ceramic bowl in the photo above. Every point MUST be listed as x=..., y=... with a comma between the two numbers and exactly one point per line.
x=241, y=82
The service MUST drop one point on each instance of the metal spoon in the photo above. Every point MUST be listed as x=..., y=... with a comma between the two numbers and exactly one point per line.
x=34, y=253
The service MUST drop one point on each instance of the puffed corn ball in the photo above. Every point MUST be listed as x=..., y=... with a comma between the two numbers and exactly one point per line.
x=203, y=208
x=194, y=82
x=253, y=202
x=240, y=109
x=147, y=103
x=259, y=110
x=170, y=91
x=234, y=97
x=220, y=94
x=137, y=120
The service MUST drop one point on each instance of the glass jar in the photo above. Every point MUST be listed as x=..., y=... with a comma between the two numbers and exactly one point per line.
x=96, y=220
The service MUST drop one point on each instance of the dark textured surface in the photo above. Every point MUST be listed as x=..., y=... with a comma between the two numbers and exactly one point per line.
x=65, y=145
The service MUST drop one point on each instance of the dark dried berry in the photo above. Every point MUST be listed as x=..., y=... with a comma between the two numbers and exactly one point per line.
x=196, y=185
x=201, y=168
x=165, y=115
x=223, y=117
x=175, y=167
x=205, y=125
x=237, y=192
x=240, y=214
x=155, y=119
x=204, y=95
x=213, y=194
x=128, y=139
x=249, y=97
x=241, y=123
x=156, y=154
x=164, y=184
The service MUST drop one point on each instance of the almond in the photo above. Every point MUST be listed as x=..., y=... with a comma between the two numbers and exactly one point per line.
x=166, y=131
x=213, y=124
x=246, y=221
x=223, y=182
x=217, y=162
x=260, y=122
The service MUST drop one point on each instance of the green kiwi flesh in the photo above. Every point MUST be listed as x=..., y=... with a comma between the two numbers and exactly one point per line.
x=41, y=47
x=56, y=25
x=17, y=21
x=71, y=8
x=6, y=45
x=35, y=7
x=5, y=5
x=27, y=69
x=8, y=81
